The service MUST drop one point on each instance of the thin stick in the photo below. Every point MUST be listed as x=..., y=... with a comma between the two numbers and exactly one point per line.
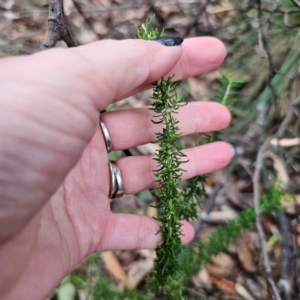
x=265, y=45
x=58, y=27
x=256, y=200
x=288, y=118
x=287, y=246
x=287, y=252
x=212, y=199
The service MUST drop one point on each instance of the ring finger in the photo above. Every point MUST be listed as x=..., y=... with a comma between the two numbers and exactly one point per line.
x=137, y=171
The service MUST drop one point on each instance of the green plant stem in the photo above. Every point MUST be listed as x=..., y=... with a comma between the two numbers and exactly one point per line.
x=169, y=158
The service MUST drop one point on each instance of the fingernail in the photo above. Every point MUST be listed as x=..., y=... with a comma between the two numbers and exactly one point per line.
x=169, y=40
x=232, y=149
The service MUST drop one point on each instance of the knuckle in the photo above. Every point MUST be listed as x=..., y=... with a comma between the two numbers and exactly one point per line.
x=142, y=234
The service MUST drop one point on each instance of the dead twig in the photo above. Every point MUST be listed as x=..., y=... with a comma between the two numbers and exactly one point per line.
x=287, y=252
x=256, y=200
x=264, y=44
x=263, y=108
x=212, y=199
x=286, y=241
x=58, y=27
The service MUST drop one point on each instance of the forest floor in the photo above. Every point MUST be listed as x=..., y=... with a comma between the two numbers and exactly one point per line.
x=239, y=272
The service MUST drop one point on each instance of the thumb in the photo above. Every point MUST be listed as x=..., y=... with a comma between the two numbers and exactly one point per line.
x=107, y=71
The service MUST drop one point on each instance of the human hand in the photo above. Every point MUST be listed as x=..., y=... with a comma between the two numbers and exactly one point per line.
x=54, y=177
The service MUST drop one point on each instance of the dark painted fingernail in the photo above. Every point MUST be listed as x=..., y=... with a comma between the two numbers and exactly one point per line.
x=169, y=40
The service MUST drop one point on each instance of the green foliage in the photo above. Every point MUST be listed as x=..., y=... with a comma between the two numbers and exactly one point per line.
x=175, y=205
x=146, y=33
x=192, y=197
x=114, y=155
x=79, y=280
x=169, y=158
x=100, y=288
x=171, y=206
x=227, y=91
x=226, y=94
x=103, y=291
x=271, y=200
x=222, y=236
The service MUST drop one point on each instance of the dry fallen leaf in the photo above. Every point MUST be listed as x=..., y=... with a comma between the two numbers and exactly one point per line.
x=82, y=294
x=215, y=9
x=289, y=205
x=202, y=280
x=280, y=167
x=113, y=266
x=138, y=270
x=245, y=249
x=221, y=265
x=223, y=284
x=250, y=285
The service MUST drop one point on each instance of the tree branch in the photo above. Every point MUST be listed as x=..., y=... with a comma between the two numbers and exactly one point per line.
x=58, y=27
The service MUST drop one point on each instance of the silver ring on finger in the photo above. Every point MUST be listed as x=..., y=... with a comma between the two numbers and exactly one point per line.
x=113, y=181
x=106, y=135
x=116, y=186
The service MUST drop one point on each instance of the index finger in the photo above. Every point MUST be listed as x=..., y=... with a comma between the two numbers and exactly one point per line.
x=199, y=55
x=108, y=71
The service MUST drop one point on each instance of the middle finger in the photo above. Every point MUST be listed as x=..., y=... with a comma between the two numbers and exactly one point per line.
x=133, y=127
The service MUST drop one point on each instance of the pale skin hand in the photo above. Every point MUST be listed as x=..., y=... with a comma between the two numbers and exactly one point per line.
x=54, y=176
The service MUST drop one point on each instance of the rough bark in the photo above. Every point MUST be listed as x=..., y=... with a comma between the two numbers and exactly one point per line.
x=58, y=27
